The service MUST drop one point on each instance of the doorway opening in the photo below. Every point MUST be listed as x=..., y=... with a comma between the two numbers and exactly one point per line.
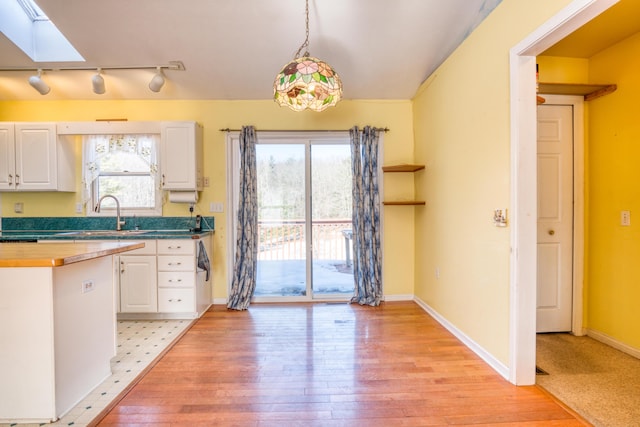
x=522, y=341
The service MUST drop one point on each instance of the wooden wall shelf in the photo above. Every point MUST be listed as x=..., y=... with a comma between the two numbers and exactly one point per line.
x=403, y=168
x=405, y=203
x=589, y=91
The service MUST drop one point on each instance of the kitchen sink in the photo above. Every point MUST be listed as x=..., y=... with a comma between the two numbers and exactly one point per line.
x=105, y=233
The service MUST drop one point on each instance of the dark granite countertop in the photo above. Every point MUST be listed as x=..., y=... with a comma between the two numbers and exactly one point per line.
x=72, y=228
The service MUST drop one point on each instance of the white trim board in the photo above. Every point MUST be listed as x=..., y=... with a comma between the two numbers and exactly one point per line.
x=612, y=342
x=498, y=366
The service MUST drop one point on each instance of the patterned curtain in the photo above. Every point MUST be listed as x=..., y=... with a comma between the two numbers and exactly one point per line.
x=246, y=262
x=367, y=259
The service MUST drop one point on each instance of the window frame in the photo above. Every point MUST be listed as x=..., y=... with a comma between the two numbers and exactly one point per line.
x=93, y=190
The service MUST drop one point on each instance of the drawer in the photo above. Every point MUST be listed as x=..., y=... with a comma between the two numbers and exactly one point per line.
x=149, y=247
x=176, y=263
x=172, y=300
x=176, y=279
x=176, y=246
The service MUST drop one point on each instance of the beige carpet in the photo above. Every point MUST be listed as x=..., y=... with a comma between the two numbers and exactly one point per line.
x=599, y=382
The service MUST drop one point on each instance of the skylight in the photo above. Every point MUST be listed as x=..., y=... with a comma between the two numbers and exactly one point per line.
x=29, y=28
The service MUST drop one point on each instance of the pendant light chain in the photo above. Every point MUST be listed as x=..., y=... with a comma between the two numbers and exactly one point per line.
x=306, y=40
x=307, y=82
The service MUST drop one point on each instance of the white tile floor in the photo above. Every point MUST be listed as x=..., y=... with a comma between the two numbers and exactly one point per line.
x=139, y=342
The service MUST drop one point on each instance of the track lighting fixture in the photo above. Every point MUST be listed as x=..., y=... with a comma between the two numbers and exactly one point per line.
x=38, y=84
x=97, y=81
x=157, y=81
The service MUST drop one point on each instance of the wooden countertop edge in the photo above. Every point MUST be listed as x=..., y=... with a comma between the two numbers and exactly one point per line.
x=81, y=252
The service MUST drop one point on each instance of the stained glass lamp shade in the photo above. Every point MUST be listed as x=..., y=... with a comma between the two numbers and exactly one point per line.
x=307, y=83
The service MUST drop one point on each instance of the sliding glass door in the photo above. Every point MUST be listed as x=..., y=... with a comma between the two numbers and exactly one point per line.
x=304, y=219
x=331, y=267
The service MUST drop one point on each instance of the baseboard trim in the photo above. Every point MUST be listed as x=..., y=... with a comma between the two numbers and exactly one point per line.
x=497, y=366
x=220, y=301
x=612, y=342
x=399, y=297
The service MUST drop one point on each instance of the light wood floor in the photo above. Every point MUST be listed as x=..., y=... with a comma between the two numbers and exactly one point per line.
x=328, y=365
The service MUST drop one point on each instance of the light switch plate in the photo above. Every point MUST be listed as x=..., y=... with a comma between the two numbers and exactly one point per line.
x=500, y=217
x=625, y=218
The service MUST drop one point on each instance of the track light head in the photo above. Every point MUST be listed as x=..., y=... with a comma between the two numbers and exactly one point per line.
x=38, y=84
x=157, y=81
x=97, y=81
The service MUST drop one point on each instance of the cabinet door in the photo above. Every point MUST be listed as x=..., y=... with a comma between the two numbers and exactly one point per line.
x=35, y=157
x=7, y=157
x=138, y=284
x=179, y=156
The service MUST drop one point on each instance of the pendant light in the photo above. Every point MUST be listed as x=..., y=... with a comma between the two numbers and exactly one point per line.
x=307, y=82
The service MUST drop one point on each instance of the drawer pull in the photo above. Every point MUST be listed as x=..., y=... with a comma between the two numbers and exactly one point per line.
x=178, y=281
x=175, y=263
x=172, y=300
x=175, y=247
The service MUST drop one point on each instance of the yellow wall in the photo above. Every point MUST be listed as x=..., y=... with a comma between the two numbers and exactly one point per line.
x=461, y=117
x=613, y=270
x=553, y=69
x=214, y=115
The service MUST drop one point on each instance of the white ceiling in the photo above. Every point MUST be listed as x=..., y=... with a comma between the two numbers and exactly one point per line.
x=233, y=49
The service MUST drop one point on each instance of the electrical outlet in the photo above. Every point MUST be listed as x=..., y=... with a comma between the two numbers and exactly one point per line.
x=18, y=207
x=206, y=181
x=79, y=208
x=216, y=207
x=437, y=272
x=88, y=286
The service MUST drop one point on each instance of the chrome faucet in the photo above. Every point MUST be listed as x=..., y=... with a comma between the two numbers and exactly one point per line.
x=119, y=223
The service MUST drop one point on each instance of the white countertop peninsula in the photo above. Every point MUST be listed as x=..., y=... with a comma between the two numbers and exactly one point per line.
x=58, y=317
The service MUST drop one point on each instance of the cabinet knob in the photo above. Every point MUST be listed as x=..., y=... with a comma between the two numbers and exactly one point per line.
x=552, y=232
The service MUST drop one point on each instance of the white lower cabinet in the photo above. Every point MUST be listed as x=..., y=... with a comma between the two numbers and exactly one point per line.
x=138, y=280
x=165, y=279
x=138, y=284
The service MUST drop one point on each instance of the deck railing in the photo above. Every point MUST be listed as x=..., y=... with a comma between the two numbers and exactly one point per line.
x=285, y=240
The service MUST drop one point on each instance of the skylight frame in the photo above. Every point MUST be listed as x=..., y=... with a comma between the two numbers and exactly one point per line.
x=25, y=24
x=32, y=10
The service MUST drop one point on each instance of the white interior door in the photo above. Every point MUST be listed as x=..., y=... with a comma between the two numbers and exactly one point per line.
x=555, y=218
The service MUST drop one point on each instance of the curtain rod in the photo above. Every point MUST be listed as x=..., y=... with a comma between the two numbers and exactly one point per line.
x=300, y=130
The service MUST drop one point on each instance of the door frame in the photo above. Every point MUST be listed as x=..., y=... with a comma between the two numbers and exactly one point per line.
x=522, y=280
x=233, y=163
x=577, y=283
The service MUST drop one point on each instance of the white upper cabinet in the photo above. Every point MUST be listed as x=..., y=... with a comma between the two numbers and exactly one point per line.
x=32, y=158
x=181, y=162
x=7, y=157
